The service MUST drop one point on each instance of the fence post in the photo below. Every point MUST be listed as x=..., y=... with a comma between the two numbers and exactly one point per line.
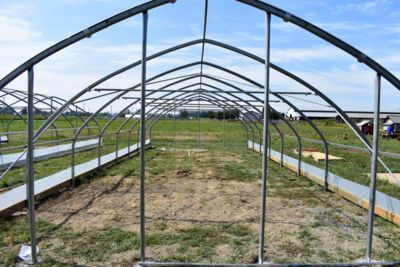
x=174, y=127
x=30, y=183
x=265, y=138
x=223, y=131
x=143, y=139
x=374, y=155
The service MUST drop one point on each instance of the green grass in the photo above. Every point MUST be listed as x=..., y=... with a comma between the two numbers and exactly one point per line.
x=16, y=232
x=355, y=167
x=197, y=244
x=96, y=245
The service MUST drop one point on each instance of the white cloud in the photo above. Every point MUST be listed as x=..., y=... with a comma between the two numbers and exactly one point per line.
x=281, y=26
x=306, y=54
x=395, y=28
x=278, y=55
x=13, y=26
x=16, y=9
x=16, y=29
x=391, y=60
x=344, y=25
x=339, y=84
x=251, y=37
x=19, y=38
x=365, y=6
x=67, y=72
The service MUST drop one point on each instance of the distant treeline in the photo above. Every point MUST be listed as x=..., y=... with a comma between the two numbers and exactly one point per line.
x=231, y=114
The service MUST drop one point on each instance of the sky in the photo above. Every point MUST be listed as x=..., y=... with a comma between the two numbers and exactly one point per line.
x=28, y=27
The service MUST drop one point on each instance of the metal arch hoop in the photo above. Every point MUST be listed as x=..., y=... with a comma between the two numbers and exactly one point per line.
x=24, y=99
x=28, y=66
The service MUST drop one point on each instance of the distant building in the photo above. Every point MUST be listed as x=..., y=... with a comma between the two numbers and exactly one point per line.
x=357, y=116
x=320, y=115
x=391, y=125
x=361, y=116
x=136, y=116
x=366, y=126
x=291, y=114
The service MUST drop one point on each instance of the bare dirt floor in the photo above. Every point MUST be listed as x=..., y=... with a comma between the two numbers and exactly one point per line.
x=203, y=206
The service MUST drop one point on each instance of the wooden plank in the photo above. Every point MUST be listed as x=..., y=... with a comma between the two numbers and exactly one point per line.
x=393, y=178
x=316, y=155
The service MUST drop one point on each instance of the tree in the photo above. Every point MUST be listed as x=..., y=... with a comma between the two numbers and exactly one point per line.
x=203, y=114
x=234, y=114
x=275, y=115
x=183, y=114
x=211, y=115
x=220, y=115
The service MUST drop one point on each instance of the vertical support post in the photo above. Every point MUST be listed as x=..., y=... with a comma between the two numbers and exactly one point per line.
x=4, y=119
x=174, y=128
x=261, y=140
x=282, y=148
x=143, y=137
x=86, y=114
x=76, y=119
x=129, y=141
x=223, y=130
x=198, y=117
x=70, y=118
x=30, y=184
x=116, y=145
x=247, y=138
x=265, y=138
x=252, y=138
x=99, y=150
x=138, y=137
x=299, y=157
x=269, y=145
x=374, y=155
x=326, y=185
x=51, y=113
x=73, y=162
x=151, y=132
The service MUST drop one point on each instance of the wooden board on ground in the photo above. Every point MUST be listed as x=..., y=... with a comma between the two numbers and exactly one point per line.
x=393, y=178
x=317, y=156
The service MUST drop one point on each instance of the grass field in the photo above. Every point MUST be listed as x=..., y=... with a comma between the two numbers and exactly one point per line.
x=356, y=165
x=201, y=205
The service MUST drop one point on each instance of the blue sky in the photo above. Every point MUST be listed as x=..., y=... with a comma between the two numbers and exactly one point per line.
x=27, y=27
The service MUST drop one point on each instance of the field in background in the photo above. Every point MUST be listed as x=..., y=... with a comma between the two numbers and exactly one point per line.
x=355, y=167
